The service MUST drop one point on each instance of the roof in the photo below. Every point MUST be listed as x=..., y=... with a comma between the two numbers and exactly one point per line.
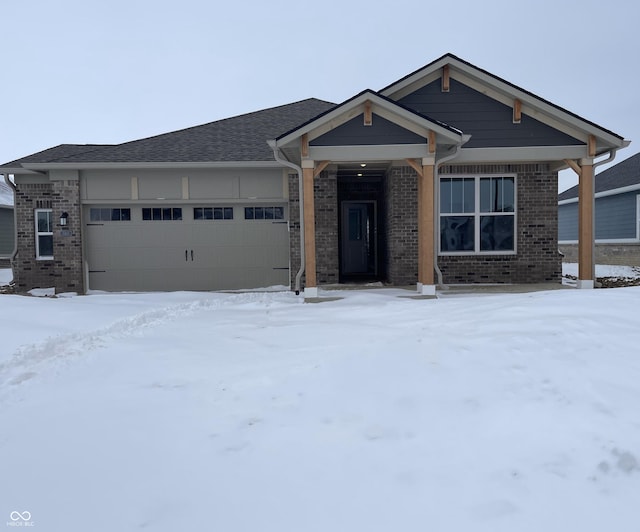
x=624, y=174
x=240, y=138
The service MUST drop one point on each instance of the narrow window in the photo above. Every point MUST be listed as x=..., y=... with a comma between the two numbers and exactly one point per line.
x=44, y=233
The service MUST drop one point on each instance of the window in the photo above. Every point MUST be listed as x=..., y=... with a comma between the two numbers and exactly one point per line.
x=109, y=215
x=44, y=234
x=264, y=213
x=477, y=215
x=213, y=213
x=162, y=213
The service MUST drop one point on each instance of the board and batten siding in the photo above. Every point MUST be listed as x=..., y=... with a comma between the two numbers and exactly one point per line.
x=616, y=218
x=489, y=122
x=7, y=231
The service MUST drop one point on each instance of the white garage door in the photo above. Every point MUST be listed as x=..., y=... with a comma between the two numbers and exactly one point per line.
x=186, y=247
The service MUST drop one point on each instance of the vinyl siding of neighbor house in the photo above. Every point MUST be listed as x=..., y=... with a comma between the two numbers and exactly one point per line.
x=6, y=231
x=355, y=133
x=489, y=122
x=615, y=218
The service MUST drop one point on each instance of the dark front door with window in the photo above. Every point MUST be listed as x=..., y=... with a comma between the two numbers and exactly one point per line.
x=358, y=238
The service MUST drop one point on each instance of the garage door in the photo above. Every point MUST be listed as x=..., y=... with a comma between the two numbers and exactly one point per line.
x=186, y=247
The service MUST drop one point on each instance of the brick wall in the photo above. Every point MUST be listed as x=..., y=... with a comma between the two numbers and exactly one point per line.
x=325, y=188
x=537, y=259
x=401, y=205
x=64, y=272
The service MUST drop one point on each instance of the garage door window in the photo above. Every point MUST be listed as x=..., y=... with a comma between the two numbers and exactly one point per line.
x=264, y=213
x=162, y=213
x=109, y=215
x=213, y=213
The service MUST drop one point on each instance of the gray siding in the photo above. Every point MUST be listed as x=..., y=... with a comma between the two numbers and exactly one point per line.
x=355, y=133
x=6, y=231
x=490, y=123
x=615, y=218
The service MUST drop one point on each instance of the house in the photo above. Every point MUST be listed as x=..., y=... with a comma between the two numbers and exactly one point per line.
x=448, y=175
x=617, y=216
x=7, y=227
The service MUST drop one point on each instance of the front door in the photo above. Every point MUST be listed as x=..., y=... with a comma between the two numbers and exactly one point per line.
x=358, y=237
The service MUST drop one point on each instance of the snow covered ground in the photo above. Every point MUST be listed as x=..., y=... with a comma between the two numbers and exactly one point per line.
x=245, y=412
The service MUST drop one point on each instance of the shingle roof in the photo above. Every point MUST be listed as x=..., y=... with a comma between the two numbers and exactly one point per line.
x=54, y=154
x=240, y=138
x=623, y=174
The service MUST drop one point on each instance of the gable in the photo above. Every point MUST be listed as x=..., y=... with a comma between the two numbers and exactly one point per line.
x=489, y=122
x=355, y=133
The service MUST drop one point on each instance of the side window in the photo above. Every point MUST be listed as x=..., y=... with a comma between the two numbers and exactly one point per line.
x=44, y=233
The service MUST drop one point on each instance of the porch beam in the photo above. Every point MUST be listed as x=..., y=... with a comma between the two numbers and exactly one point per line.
x=574, y=166
x=586, y=266
x=320, y=167
x=309, y=228
x=426, y=206
x=304, y=145
x=413, y=164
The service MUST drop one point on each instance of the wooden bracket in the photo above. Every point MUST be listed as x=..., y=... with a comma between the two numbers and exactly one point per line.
x=413, y=164
x=318, y=169
x=304, y=147
x=432, y=141
x=445, y=78
x=368, y=115
x=574, y=166
x=592, y=146
x=517, y=111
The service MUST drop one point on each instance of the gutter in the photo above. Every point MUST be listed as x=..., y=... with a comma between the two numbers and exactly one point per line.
x=436, y=211
x=279, y=157
x=15, y=220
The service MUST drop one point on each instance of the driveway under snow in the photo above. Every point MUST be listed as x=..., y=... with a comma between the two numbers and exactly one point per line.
x=247, y=412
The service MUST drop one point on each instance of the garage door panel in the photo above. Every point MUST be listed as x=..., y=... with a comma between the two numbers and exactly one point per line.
x=186, y=254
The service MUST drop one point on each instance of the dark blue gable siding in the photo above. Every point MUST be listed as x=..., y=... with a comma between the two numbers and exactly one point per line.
x=355, y=133
x=615, y=218
x=489, y=122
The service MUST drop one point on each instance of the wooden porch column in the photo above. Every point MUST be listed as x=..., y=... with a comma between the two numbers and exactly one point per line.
x=586, y=265
x=426, y=205
x=311, y=286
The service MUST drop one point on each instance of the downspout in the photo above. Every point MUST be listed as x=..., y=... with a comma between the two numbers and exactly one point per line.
x=436, y=211
x=15, y=220
x=280, y=158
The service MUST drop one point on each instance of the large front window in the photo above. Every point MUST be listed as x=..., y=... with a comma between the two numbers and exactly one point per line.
x=477, y=214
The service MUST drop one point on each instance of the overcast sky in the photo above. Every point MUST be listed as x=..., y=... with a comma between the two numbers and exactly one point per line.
x=80, y=71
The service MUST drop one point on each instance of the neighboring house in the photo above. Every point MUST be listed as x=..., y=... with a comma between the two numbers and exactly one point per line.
x=7, y=226
x=617, y=216
x=448, y=175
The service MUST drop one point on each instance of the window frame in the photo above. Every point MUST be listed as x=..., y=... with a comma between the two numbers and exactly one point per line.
x=39, y=233
x=477, y=215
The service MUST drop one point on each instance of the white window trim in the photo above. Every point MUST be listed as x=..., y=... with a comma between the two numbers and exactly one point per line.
x=39, y=233
x=476, y=214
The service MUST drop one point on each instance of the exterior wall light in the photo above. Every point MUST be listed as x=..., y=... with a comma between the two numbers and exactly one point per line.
x=63, y=218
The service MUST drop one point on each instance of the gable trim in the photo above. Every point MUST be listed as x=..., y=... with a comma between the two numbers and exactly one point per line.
x=604, y=193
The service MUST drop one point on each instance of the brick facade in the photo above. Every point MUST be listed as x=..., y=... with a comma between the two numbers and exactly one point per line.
x=64, y=272
x=401, y=206
x=537, y=259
